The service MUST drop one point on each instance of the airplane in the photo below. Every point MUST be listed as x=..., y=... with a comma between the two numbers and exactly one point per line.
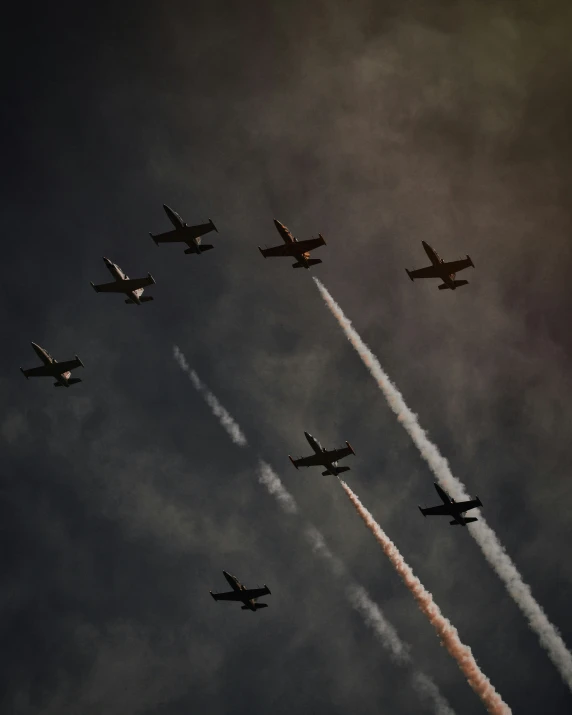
x=452, y=508
x=248, y=596
x=132, y=287
x=439, y=269
x=183, y=233
x=61, y=371
x=300, y=250
x=323, y=458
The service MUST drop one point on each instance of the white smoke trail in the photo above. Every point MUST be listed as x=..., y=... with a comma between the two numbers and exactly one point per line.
x=357, y=596
x=231, y=427
x=493, y=550
x=445, y=630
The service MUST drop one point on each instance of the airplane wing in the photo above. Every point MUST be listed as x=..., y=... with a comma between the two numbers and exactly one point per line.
x=201, y=228
x=440, y=510
x=229, y=596
x=68, y=365
x=310, y=244
x=336, y=454
x=42, y=371
x=456, y=266
x=429, y=272
x=310, y=461
x=467, y=505
x=169, y=237
x=282, y=250
x=256, y=592
x=124, y=286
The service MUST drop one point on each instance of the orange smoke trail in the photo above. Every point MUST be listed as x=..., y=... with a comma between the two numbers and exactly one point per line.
x=446, y=631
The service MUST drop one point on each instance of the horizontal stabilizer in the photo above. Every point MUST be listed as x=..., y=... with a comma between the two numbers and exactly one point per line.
x=258, y=606
x=130, y=302
x=410, y=276
x=422, y=510
x=457, y=284
x=297, y=265
x=454, y=523
x=205, y=247
x=146, y=298
x=190, y=250
x=469, y=519
x=324, y=474
x=343, y=469
x=314, y=261
x=74, y=380
x=59, y=384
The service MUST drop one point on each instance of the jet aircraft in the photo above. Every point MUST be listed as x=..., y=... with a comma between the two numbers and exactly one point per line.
x=183, y=233
x=324, y=458
x=452, y=508
x=132, y=287
x=440, y=269
x=61, y=371
x=248, y=596
x=300, y=250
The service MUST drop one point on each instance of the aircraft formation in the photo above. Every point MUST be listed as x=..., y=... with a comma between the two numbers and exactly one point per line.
x=191, y=236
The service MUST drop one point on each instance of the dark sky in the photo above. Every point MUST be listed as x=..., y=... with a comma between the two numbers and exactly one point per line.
x=378, y=124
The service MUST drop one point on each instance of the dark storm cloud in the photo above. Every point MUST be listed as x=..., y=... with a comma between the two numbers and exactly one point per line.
x=121, y=502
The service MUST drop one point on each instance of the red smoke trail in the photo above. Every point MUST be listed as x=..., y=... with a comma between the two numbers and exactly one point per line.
x=446, y=631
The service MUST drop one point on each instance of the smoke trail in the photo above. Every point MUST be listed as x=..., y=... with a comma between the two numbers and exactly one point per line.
x=357, y=596
x=446, y=631
x=494, y=552
x=232, y=428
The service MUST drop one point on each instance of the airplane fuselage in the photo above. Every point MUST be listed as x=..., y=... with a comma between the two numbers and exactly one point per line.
x=61, y=377
x=119, y=276
x=454, y=510
x=237, y=586
x=437, y=261
x=318, y=449
x=192, y=241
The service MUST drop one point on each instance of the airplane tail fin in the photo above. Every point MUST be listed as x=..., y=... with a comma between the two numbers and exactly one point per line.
x=457, y=284
x=155, y=239
x=422, y=510
x=411, y=277
x=262, y=251
x=24, y=373
x=214, y=228
x=95, y=288
x=470, y=261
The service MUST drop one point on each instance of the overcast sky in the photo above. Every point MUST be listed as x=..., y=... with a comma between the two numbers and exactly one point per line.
x=378, y=124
